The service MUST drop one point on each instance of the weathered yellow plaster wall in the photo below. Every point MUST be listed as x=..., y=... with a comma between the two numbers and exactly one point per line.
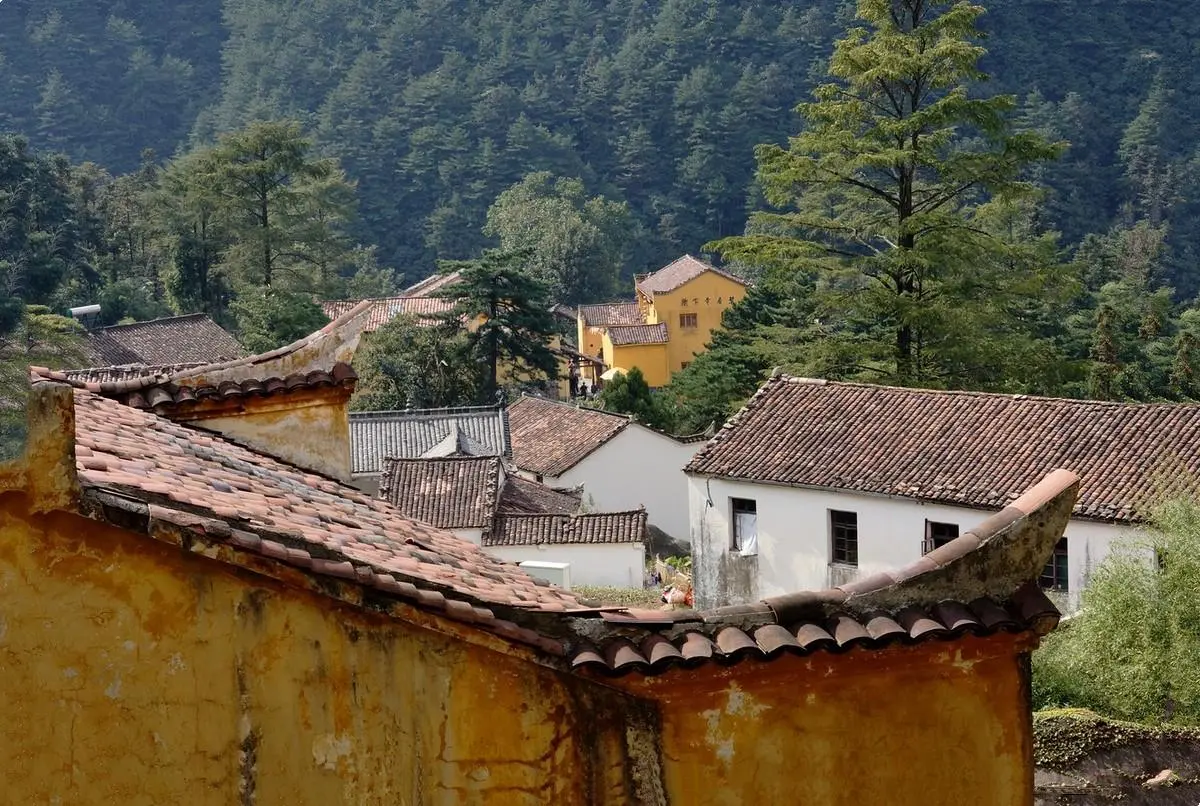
x=310, y=429
x=939, y=724
x=133, y=672
x=651, y=359
x=707, y=296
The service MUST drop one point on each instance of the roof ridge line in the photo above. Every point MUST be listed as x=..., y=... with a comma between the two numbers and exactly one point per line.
x=800, y=380
x=153, y=321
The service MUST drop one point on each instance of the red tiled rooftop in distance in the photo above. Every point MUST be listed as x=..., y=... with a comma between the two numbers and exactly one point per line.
x=525, y=529
x=385, y=309
x=677, y=273
x=190, y=338
x=608, y=314
x=454, y=492
x=624, y=335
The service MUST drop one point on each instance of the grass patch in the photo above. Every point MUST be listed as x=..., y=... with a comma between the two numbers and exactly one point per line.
x=600, y=596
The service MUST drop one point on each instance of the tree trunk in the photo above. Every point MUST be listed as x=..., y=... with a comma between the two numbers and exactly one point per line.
x=264, y=216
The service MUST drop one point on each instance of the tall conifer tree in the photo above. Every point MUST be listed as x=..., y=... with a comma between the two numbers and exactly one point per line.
x=897, y=195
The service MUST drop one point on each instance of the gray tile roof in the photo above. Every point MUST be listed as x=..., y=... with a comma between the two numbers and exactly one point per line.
x=594, y=527
x=193, y=338
x=379, y=435
x=458, y=492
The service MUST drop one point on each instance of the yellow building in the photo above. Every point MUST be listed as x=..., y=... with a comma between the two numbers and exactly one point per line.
x=187, y=619
x=675, y=312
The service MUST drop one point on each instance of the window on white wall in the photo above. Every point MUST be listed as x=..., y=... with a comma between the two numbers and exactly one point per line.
x=938, y=535
x=1054, y=576
x=745, y=525
x=843, y=534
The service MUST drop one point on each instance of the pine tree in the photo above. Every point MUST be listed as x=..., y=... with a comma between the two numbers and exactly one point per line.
x=509, y=311
x=887, y=184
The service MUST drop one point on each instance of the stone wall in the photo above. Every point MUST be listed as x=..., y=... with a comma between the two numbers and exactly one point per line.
x=1085, y=759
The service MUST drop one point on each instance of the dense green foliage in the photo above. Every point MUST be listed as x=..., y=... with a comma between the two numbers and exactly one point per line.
x=628, y=393
x=436, y=106
x=495, y=336
x=407, y=364
x=38, y=337
x=895, y=199
x=906, y=241
x=576, y=245
x=507, y=310
x=607, y=138
x=1134, y=653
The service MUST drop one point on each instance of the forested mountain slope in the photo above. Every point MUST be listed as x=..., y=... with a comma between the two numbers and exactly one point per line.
x=436, y=106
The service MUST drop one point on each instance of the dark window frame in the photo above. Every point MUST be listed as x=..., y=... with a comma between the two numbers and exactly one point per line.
x=843, y=537
x=738, y=506
x=688, y=321
x=1056, y=575
x=938, y=534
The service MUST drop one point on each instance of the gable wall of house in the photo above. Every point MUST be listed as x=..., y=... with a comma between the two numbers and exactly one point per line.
x=708, y=296
x=311, y=430
x=618, y=565
x=637, y=468
x=139, y=672
x=794, y=542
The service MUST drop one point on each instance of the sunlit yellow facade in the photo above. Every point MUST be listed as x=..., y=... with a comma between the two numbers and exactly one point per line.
x=687, y=297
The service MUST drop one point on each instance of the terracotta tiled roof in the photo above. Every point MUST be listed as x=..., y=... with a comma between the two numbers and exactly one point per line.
x=173, y=476
x=524, y=496
x=452, y=493
x=971, y=586
x=611, y=313
x=466, y=492
x=193, y=338
x=601, y=527
x=549, y=438
x=966, y=448
x=385, y=309
x=126, y=372
x=177, y=393
x=638, y=334
x=379, y=435
x=673, y=275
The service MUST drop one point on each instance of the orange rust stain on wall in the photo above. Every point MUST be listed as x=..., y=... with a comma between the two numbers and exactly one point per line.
x=135, y=672
x=939, y=723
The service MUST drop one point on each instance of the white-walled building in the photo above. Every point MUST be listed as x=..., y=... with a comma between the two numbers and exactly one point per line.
x=602, y=548
x=621, y=465
x=816, y=483
x=517, y=519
